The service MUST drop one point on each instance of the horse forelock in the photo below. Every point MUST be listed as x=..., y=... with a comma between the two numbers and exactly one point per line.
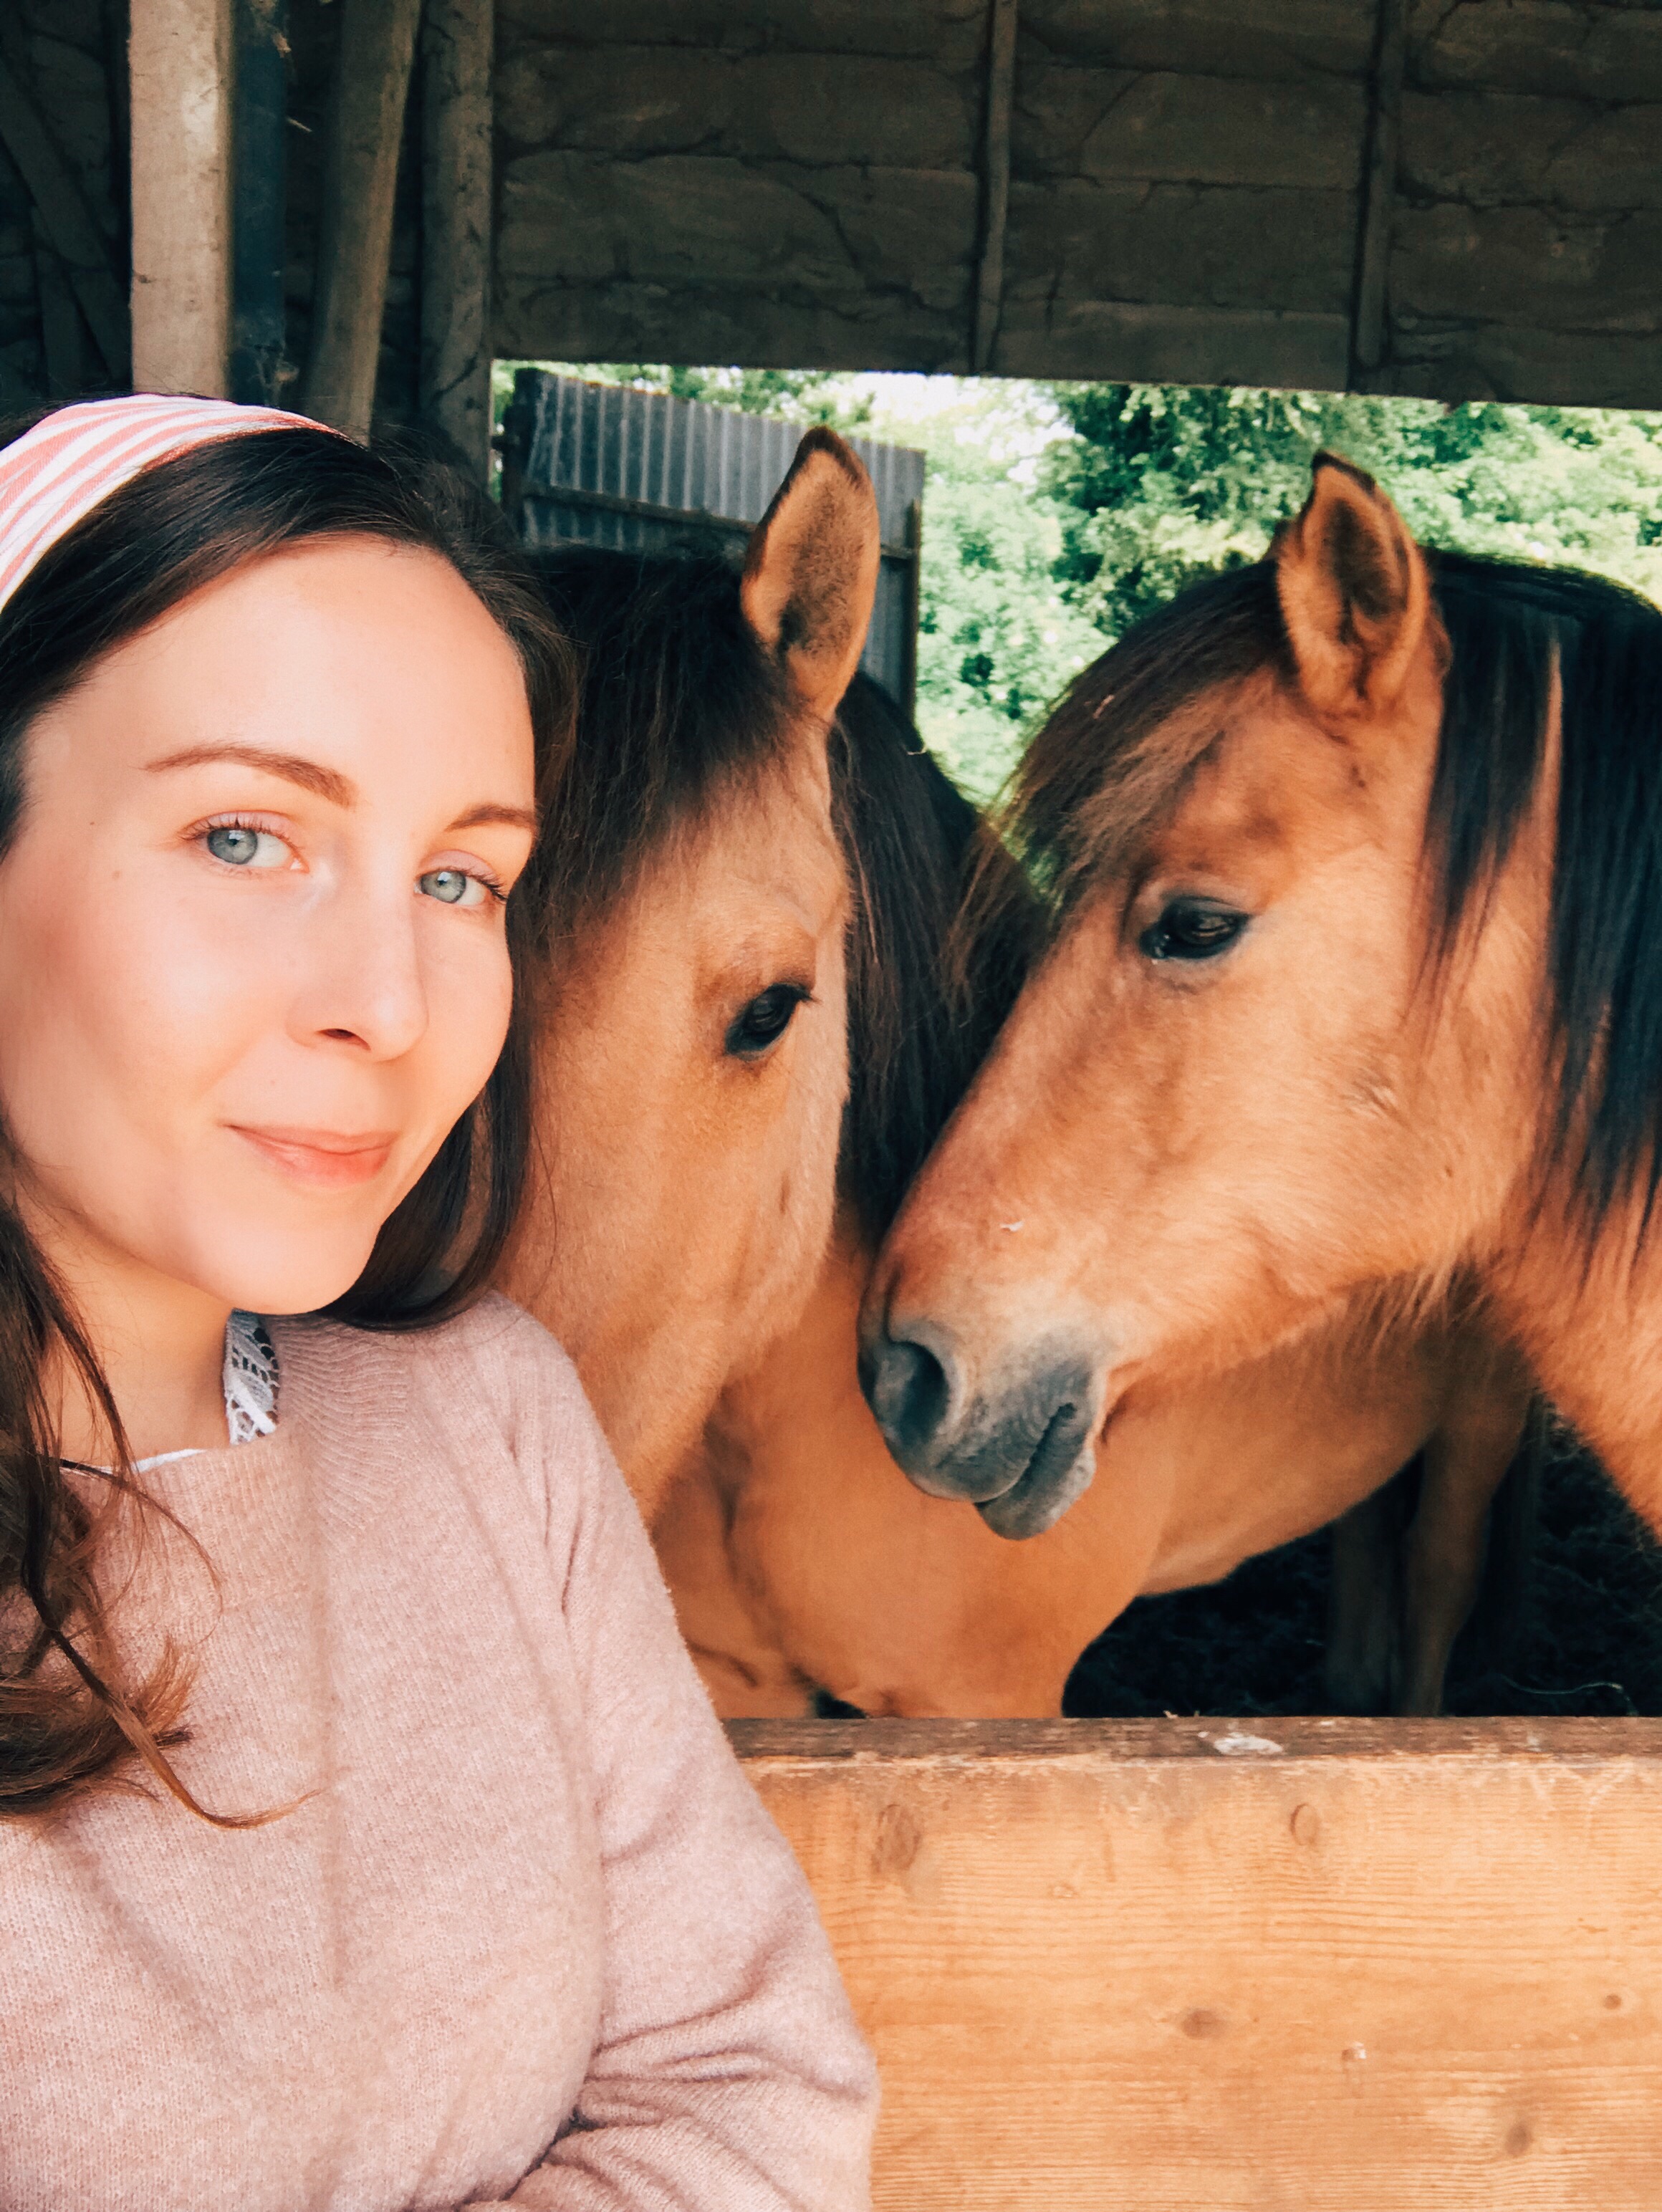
x=1114, y=757
x=1116, y=753
x=678, y=702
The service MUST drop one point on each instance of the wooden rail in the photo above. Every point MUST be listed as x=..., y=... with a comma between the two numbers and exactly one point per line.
x=1316, y=1965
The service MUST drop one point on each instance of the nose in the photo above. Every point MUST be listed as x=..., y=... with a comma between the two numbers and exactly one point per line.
x=1022, y=1450
x=909, y=1387
x=367, y=986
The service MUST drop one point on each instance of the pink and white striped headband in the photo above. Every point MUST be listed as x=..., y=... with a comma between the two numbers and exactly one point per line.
x=62, y=469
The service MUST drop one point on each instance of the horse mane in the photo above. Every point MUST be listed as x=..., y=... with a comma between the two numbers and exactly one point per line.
x=921, y=1018
x=1103, y=768
x=677, y=695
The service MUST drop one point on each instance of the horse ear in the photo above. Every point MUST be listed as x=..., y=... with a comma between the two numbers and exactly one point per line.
x=811, y=574
x=1355, y=593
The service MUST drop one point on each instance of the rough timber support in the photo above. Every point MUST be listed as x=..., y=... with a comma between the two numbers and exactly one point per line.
x=180, y=61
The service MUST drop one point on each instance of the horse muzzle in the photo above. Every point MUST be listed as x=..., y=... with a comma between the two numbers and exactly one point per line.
x=1021, y=1453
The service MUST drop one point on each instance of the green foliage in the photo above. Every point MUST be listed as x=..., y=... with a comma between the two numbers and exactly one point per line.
x=1056, y=515
x=1162, y=483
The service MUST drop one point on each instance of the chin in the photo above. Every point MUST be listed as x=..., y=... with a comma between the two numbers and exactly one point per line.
x=290, y=1275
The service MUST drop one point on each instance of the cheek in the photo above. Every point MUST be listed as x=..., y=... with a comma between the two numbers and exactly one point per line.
x=470, y=1001
x=113, y=984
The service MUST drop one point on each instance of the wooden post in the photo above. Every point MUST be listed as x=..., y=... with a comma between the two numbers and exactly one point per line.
x=377, y=46
x=259, y=320
x=1206, y=1966
x=995, y=179
x=1369, y=331
x=181, y=71
x=457, y=51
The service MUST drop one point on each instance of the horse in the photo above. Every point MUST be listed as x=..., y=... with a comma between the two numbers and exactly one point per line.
x=1352, y=856
x=800, y=1559
x=691, y=905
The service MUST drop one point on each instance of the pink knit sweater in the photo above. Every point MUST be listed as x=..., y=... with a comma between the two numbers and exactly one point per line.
x=527, y=1938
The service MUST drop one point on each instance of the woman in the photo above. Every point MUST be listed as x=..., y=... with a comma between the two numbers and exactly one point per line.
x=368, y=1841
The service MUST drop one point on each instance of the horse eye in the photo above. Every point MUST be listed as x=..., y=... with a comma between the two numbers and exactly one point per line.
x=1192, y=929
x=765, y=1020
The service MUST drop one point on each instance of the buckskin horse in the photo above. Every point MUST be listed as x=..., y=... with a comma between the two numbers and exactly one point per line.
x=800, y=1559
x=1355, y=856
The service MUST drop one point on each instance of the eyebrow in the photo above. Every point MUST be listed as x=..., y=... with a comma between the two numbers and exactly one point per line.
x=328, y=783
x=512, y=818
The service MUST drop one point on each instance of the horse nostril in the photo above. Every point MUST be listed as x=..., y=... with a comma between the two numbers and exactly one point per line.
x=908, y=1390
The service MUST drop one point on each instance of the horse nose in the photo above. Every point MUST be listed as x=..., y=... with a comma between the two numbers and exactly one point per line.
x=1022, y=1450
x=909, y=1386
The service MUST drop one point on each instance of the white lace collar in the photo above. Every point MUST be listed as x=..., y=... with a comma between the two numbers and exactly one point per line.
x=249, y=1379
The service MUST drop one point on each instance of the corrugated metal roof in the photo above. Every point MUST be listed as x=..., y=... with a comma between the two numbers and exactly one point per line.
x=598, y=465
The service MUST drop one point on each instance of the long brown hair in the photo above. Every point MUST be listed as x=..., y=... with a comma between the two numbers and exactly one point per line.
x=68, y=1716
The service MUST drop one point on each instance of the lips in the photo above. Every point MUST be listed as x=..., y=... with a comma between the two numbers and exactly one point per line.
x=325, y=1159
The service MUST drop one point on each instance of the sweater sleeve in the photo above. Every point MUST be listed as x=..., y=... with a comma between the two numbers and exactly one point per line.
x=729, y=2075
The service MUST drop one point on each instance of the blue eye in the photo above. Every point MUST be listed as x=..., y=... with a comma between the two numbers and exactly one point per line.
x=242, y=848
x=451, y=887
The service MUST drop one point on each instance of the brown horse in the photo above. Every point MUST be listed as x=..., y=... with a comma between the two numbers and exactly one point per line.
x=1355, y=858
x=692, y=1062
x=799, y=1556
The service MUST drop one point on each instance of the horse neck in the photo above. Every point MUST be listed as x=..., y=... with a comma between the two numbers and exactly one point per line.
x=1590, y=1325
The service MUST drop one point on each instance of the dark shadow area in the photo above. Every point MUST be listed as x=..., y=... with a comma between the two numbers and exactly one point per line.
x=1588, y=1639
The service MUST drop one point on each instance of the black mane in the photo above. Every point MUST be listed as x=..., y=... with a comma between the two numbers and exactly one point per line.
x=1099, y=773
x=677, y=695
x=921, y=1018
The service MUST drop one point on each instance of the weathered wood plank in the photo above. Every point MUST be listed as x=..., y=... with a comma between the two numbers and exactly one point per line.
x=180, y=72
x=1183, y=1967
x=457, y=50
x=260, y=199
x=632, y=101
x=378, y=44
x=1264, y=39
x=1493, y=147
x=1606, y=51
x=1181, y=245
x=995, y=178
x=950, y=34
x=1370, y=321
x=67, y=222
x=1190, y=127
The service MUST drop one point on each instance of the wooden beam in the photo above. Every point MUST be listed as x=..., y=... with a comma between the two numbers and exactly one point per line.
x=377, y=46
x=995, y=179
x=1370, y=333
x=258, y=324
x=70, y=227
x=1193, y=1966
x=458, y=44
x=180, y=73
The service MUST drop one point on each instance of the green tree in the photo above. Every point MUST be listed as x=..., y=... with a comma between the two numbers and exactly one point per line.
x=1164, y=483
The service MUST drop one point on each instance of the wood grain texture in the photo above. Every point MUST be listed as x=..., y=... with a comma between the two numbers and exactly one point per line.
x=457, y=48
x=180, y=70
x=1337, y=1966
x=378, y=44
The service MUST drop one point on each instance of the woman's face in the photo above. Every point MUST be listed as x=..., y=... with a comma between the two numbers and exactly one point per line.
x=252, y=962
